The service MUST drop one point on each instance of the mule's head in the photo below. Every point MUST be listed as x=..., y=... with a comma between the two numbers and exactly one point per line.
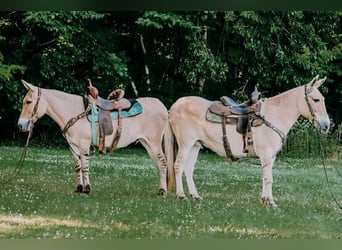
x=315, y=109
x=33, y=107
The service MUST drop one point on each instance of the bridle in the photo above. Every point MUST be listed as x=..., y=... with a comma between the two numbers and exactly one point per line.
x=307, y=92
x=35, y=108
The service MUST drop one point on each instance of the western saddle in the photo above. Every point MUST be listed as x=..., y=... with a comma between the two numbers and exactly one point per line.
x=240, y=115
x=115, y=101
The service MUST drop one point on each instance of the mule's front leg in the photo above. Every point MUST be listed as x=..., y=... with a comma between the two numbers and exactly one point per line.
x=267, y=181
x=78, y=170
x=85, y=171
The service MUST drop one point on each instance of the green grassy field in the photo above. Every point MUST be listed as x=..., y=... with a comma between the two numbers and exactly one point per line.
x=41, y=203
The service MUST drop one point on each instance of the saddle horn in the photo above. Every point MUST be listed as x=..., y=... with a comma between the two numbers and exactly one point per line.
x=91, y=90
x=255, y=95
x=89, y=82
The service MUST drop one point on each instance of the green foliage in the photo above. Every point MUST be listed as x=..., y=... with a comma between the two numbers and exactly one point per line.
x=304, y=141
x=200, y=63
x=7, y=71
x=80, y=48
x=160, y=20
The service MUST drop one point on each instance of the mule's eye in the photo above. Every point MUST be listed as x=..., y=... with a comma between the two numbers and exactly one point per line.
x=316, y=100
x=28, y=102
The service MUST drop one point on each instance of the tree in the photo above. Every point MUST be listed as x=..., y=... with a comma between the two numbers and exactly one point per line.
x=178, y=42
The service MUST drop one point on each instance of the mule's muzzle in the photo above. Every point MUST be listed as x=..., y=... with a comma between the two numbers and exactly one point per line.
x=24, y=125
x=323, y=125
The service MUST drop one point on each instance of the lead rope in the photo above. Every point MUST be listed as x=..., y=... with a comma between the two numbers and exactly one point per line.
x=306, y=92
x=325, y=170
x=20, y=163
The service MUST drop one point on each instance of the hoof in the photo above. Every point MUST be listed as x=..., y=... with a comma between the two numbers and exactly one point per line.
x=196, y=197
x=181, y=196
x=79, y=189
x=268, y=202
x=86, y=189
x=162, y=192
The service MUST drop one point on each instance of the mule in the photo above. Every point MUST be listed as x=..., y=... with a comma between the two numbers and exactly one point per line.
x=146, y=128
x=187, y=118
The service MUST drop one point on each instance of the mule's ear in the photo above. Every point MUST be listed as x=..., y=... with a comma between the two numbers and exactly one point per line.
x=318, y=83
x=27, y=85
x=312, y=82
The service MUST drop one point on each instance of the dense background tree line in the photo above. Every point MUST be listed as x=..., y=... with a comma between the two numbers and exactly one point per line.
x=166, y=55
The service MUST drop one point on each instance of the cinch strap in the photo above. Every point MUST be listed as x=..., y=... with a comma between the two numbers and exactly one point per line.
x=93, y=124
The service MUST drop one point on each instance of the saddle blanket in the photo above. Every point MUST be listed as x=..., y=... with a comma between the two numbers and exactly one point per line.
x=212, y=117
x=134, y=110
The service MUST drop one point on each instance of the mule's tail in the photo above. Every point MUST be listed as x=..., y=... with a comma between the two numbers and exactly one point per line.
x=169, y=150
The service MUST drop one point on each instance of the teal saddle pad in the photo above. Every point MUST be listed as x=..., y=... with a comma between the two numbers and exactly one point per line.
x=134, y=110
x=213, y=117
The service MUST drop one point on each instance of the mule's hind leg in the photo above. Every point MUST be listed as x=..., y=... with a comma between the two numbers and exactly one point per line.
x=155, y=152
x=179, y=166
x=189, y=170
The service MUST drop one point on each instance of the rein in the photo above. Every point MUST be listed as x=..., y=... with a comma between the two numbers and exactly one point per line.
x=270, y=125
x=325, y=170
x=21, y=161
x=73, y=120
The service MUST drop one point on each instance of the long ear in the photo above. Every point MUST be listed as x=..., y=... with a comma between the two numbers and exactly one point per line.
x=318, y=83
x=312, y=82
x=27, y=85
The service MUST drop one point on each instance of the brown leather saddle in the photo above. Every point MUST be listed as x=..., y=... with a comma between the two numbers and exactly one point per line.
x=115, y=101
x=241, y=115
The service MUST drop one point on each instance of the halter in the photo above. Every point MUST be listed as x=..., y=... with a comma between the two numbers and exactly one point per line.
x=308, y=91
x=35, y=108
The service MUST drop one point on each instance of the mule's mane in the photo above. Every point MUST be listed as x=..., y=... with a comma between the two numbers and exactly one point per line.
x=61, y=105
x=60, y=94
x=284, y=96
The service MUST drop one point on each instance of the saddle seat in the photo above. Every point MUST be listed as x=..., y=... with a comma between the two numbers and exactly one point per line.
x=113, y=104
x=238, y=109
x=228, y=107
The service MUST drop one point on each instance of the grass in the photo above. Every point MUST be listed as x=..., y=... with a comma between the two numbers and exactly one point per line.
x=41, y=204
